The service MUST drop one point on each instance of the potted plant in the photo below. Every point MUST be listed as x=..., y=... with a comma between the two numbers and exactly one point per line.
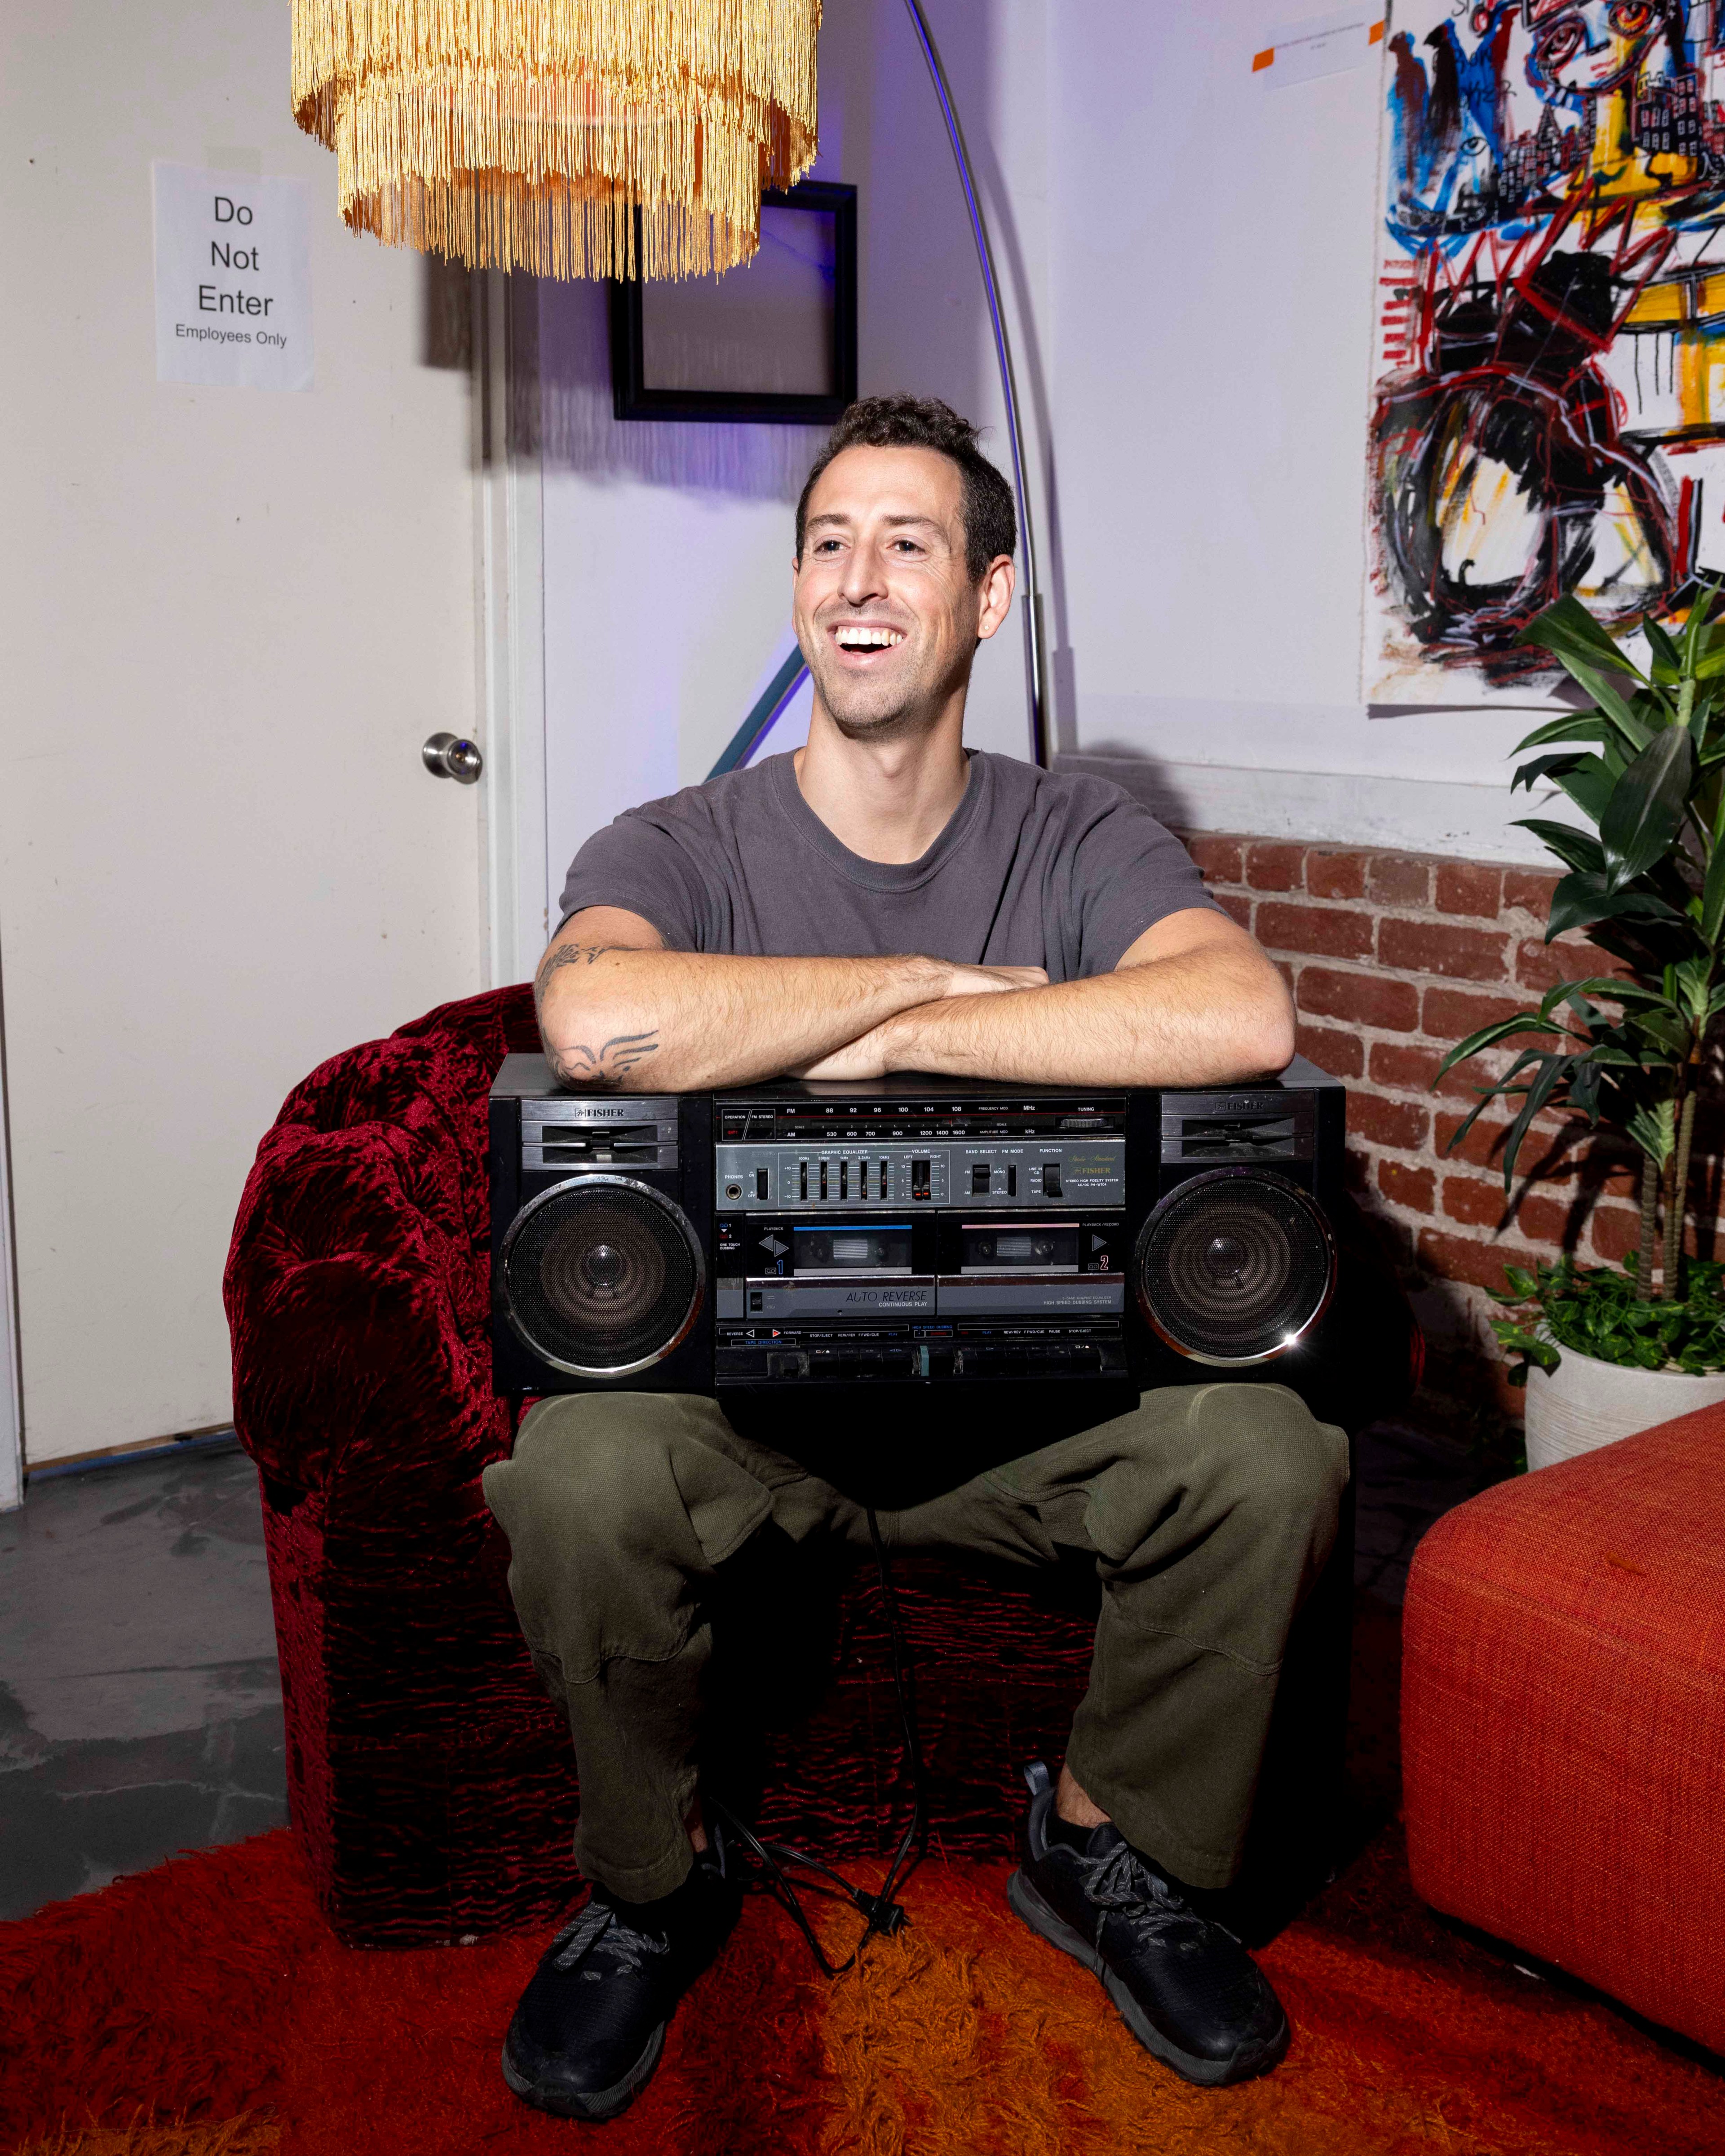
x=1604, y=1350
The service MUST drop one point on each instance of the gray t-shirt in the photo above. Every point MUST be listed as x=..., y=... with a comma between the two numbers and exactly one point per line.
x=1035, y=868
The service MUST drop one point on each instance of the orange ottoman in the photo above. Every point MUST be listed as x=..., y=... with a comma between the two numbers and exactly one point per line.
x=1563, y=1719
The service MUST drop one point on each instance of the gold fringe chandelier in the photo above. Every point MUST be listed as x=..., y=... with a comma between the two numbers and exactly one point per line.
x=571, y=138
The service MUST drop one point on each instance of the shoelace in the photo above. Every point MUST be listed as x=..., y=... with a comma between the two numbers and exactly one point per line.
x=1123, y=1883
x=599, y=1929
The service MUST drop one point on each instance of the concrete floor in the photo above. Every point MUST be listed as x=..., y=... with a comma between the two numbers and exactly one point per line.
x=140, y=1706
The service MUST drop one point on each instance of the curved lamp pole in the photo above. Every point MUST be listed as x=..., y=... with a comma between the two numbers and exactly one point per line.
x=1034, y=659
x=785, y=684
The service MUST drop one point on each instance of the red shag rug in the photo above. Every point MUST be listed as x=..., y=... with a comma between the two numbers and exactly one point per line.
x=204, y=2009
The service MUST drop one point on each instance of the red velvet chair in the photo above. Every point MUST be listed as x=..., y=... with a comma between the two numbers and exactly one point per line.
x=430, y=1780
x=1563, y=1719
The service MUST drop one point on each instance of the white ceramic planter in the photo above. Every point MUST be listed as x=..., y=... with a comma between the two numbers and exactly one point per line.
x=1585, y=1403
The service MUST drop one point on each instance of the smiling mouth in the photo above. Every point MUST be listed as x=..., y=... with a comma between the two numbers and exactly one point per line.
x=863, y=640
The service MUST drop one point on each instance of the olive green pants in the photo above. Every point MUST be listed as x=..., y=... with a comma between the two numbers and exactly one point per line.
x=1209, y=1510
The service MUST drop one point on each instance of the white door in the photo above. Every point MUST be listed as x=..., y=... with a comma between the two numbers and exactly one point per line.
x=231, y=618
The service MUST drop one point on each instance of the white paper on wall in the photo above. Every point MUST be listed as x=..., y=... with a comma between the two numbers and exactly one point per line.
x=1548, y=327
x=233, y=279
x=1322, y=44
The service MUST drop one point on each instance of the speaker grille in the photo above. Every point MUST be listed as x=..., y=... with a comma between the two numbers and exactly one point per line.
x=602, y=1276
x=1234, y=1266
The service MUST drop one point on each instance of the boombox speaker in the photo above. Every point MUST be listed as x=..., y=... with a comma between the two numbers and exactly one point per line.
x=1063, y=1247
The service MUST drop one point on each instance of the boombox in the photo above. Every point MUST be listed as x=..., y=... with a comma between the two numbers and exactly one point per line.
x=933, y=1242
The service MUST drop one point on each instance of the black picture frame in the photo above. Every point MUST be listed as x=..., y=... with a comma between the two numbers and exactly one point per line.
x=631, y=397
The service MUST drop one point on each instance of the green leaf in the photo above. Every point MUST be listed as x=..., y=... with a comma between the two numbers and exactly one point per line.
x=1611, y=989
x=1529, y=774
x=1573, y=726
x=1580, y=848
x=1488, y=1036
x=1646, y=806
x=1695, y=629
x=1538, y=1093
x=1712, y=899
x=1655, y=1131
x=1589, y=782
x=1667, y=659
x=1633, y=729
x=1585, y=896
x=1568, y=630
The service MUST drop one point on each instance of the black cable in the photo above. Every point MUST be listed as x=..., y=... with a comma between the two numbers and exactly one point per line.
x=884, y=1912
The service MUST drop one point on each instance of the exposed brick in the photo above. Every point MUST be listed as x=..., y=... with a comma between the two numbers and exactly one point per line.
x=1402, y=1063
x=1235, y=904
x=1322, y=931
x=1342, y=1055
x=1272, y=867
x=1530, y=891
x=1403, y=1185
x=1540, y=965
x=1335, y=874
x=1399, y=880
x=1365, y=998
x=1479, y=1203
x=1613, y=1231
x=1470, y=887
x=1433, y=946
x=1461, y=1258
x=1482, y=1147
x=1386, y=1122
x=1450, y=1014
x=1357, y=1168
x=1219, y=857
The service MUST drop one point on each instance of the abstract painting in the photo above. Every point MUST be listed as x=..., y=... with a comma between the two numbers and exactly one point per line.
x=1548, y=401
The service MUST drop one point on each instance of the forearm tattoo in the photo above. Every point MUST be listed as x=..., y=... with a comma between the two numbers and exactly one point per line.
x=566, y=954
x=578, y=1064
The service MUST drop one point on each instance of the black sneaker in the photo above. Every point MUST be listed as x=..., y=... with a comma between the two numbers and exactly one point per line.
x=590, y=2026
x=1187, y=1990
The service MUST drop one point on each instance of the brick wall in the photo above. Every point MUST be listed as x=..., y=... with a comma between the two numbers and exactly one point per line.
x=1392, y=958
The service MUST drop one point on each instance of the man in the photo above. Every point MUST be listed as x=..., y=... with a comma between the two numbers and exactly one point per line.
x=883, y=901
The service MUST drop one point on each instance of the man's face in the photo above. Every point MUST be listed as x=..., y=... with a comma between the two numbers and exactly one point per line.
x=884, y=605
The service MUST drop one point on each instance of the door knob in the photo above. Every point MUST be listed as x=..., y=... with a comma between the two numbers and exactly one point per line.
x=446, y=755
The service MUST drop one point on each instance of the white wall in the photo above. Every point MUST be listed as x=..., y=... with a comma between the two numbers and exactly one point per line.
x=1211, y=259
x=1188, y=260
x=231, y=617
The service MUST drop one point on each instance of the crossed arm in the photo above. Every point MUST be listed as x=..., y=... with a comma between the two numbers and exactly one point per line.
x=1193, y=1002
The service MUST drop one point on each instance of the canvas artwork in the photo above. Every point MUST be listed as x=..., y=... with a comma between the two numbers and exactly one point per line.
x=1549, y=409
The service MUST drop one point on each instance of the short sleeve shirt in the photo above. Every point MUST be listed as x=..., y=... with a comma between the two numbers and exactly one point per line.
x=1060, y=869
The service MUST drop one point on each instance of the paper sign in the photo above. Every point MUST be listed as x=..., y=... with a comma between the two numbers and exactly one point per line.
x=1322, y=44
x=233, y=279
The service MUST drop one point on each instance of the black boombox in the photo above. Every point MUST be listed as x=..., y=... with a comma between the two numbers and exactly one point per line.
x=921, y=1238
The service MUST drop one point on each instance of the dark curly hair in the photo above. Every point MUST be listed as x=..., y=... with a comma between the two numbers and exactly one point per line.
x=924, y=422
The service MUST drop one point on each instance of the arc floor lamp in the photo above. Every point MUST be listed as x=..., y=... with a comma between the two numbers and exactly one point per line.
x=774, y=698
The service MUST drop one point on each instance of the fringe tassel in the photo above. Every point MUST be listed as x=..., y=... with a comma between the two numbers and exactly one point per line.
x=527, y=134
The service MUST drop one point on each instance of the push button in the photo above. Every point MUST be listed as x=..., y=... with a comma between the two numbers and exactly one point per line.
x=980, y=1179
x=1051, y=1180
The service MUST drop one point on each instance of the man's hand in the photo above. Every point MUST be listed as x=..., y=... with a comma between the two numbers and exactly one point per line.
x=868, y=1057
x=1193, y=1002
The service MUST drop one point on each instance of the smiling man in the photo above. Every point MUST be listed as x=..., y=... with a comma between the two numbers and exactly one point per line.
x=886, y=900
